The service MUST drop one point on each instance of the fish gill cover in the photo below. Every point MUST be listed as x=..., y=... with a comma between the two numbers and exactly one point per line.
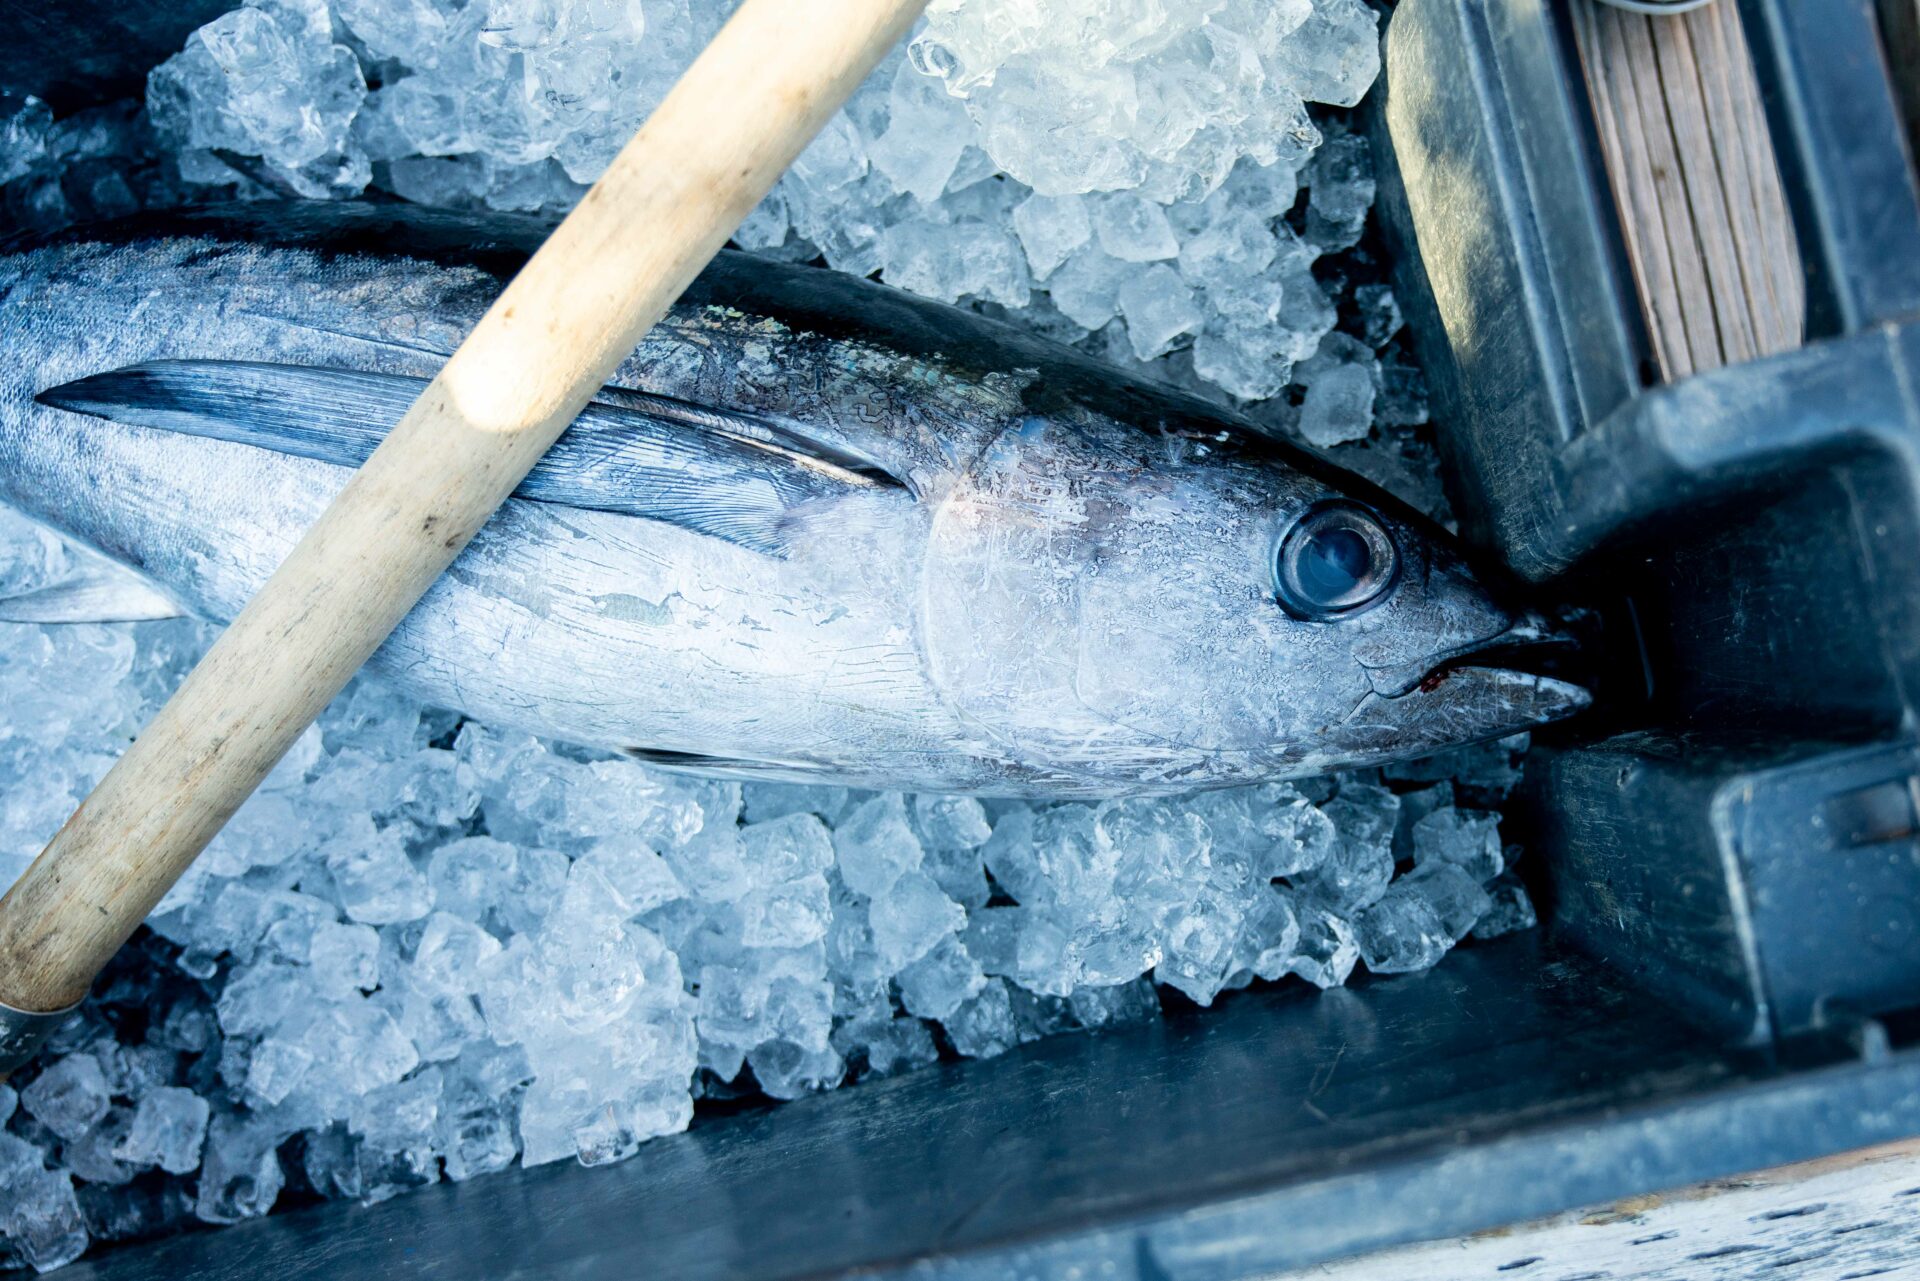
x=427, y=948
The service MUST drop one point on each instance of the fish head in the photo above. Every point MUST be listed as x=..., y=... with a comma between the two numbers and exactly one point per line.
x=1420, y=649
x=1205, y=614
x=1316, y=624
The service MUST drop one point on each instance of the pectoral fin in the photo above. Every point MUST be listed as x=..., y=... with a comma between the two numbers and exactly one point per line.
x=97, y=592
x=722, y=472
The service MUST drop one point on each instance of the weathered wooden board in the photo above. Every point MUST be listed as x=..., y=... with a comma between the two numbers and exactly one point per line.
x=1692, y=168
x=1846, y=1217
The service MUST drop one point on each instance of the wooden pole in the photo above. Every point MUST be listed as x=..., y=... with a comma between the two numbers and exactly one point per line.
x=730, y=127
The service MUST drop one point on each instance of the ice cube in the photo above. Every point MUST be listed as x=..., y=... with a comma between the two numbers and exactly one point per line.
x=712, y=865
x=1458, y=899
x=257, y=997
x=786, y=849
x=935, y=985
x=1112, y=1006
x=1132, y=228
x=345, y=957
x=1414, y=806
x=1236, y=247
x=950, y=822
x=1468, y=839
x=378, y=883
x=41, y=1219
x=895, y=1044
x=451, y=954
x=19, y=1160
x=241, y=1176
x=69, y=1097
x=474, y=1128
x=1086, y=288
x=927, y=131
x=1271, y=935
x=960, y=875
x=787, y=1071
x=603, y=1137
x=1200, y=942
x=1045, y=957
x=1357, y=868
x=1327, y=951
x=1420, y=917
x=400, y=1115
x=767, y=801
x=167, y=1130
x=983, y=1026
x=786, y=915
x=910, y=918
x=1340, y=183
x=1338, y=406
x=876, y=845
x=1241, y=360
x=1510, y=910
x=92, y=1156
x=949, y=261
x=1400, y=933
x=766, y=226
x=133, y=1212
x=1272, y=827
x=25, y=126
x=376, y=1051
x=471, y=875
x=1050, y=229
x=1159, y=307
x=1335, y=54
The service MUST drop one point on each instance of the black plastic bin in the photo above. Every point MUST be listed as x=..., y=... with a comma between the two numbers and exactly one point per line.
x=1728, y=976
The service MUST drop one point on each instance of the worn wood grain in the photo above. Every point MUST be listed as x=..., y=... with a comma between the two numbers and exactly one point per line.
x=1844, y=1217
x=1693, y=174
x=729, y=128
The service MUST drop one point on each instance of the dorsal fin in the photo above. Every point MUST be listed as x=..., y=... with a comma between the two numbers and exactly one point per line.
x=731, y=474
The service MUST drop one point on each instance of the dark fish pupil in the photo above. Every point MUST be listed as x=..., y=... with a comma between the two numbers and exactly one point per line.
x=1333, y=563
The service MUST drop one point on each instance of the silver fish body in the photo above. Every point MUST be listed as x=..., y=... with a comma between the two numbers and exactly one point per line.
x=815, y=529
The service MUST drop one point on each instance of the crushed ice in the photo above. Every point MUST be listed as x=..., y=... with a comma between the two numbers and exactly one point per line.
x=1117, y=169
x=427, y=949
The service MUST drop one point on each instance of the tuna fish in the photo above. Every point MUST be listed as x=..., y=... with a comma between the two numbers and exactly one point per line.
x=816, y=529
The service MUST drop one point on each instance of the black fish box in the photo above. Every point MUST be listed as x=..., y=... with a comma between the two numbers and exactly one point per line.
x=1728, y=852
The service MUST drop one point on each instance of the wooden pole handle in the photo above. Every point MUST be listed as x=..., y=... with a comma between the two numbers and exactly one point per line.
x=737, y=118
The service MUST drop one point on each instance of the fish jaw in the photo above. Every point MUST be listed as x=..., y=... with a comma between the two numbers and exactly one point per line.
x=1455, y=705
x=1470, y=693
x=1526, y=632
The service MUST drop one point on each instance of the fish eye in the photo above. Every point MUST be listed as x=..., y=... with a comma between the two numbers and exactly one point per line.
x=1336, y=559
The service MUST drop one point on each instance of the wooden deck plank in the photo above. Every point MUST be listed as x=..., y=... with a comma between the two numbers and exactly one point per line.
x=1623, y=138
x=1702, y=213
x=1837, y=1219
x=1711, y=190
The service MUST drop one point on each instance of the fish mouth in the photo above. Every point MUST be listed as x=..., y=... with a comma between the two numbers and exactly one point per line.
x=1507, y=682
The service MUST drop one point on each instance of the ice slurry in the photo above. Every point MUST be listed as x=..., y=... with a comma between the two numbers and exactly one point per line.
x=433, y=946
